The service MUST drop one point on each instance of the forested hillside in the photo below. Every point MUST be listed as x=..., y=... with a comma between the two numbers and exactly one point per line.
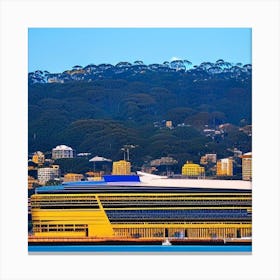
x=102, y=113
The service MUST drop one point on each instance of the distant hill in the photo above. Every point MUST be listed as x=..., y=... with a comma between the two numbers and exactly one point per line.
x=99, y=109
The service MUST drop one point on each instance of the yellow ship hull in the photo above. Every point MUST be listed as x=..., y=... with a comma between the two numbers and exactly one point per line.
x=86, y=215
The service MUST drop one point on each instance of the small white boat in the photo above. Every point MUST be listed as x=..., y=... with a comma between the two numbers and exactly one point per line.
x=166, y=243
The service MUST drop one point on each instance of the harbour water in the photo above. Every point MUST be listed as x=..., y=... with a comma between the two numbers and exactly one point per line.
x=144, y=248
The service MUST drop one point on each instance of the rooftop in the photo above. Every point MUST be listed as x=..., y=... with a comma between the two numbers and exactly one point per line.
x=63, y=147
x=148, y=184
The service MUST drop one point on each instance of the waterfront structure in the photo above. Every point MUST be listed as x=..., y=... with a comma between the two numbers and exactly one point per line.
x=192, y=170
x=38, y=158
x=73, y=177
x=150, y=207
x=225, y=167
x=247, y=166
x=121, y=167
x=46, y=174
x=62, y=151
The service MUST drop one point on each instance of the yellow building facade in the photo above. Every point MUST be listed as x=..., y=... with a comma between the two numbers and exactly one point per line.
x=94, y=175
x=72, y=177
x=105, y=215
x=225, y=167
x=247, y=166
x=121, y=167
x=192, y=169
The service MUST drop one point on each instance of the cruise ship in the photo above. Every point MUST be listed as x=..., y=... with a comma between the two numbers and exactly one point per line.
x=143, y=206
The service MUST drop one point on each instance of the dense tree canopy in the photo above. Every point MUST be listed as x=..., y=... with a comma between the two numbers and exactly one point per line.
x=102, y=115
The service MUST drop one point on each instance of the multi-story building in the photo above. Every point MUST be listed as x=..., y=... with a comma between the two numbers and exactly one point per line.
x=169, y=124
x=121, y=167
x=207, y=158
x=73, y=177
x=32, y=182
x=62, y=151
x=247, y=166
x=48, y=173
x=225, y=167
x=94, y=175
x=163, y=161
x=192, y=170
x=38, y=158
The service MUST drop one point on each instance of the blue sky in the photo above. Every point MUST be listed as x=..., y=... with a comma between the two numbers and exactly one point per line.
x=59, y=49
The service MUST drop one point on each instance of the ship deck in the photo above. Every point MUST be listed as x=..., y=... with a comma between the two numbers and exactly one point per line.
x=131, y=188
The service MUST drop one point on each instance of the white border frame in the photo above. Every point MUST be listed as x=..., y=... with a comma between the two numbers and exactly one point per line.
x=17, y=16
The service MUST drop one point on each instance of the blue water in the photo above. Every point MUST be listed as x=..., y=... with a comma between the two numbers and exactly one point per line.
x=139, y=248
